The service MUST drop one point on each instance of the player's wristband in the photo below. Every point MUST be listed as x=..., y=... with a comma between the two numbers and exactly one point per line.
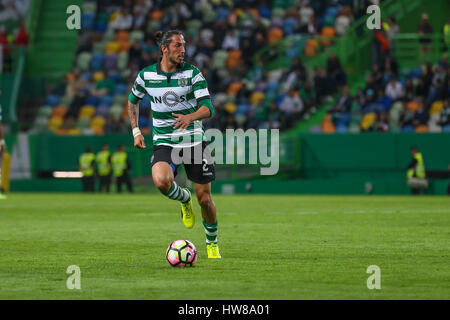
x=136, y=132
x=2, y=142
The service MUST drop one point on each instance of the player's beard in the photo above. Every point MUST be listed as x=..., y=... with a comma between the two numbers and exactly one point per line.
x=173, y=61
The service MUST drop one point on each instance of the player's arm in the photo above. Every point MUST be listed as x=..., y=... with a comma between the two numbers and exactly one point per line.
x=136, y=95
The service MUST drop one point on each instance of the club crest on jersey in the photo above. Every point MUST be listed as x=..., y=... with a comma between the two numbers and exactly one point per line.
x=182, y=82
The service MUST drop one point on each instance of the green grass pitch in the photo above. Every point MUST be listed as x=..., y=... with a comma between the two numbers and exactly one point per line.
x=273, y=247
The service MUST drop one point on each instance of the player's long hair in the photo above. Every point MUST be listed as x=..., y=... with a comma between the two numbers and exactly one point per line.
x=164, y=38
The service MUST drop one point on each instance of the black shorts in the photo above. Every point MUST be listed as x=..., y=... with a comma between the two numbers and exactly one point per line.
x=197, y=161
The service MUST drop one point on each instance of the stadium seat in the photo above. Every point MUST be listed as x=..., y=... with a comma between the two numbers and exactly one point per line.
x=59, y=111
x=97, y=61
x=87, y=21
x=86, y=112
x=124, y=46
x=122, y=61
x=83, y=60
x=413, y=106
x=230, y=107
x=446, y=128
x=111, y=61
x=233, y=58
x=74, y=132
x=52, y=100
x=116, y=111
x=341, y=129
x=327, y=35
x=55, y=123
x=123, y=36
x=98, y=76
x=368, y=120
x=136, y=35
x=256, y=97
x=234, y=87
x=421, y=128
x=45, y=111
x=106, y=100
x=436, y=107
x=274, y=35
x=112, y=47
x=89, y=7
x=408, y=129
x=102, y=111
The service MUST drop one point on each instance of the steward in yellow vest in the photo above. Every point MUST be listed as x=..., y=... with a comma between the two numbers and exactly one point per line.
x=121, y=167
x=86, y=166
x=103, y=160
x=416, y=172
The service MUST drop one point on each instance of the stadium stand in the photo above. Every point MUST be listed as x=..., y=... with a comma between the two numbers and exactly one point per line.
x=116, y=42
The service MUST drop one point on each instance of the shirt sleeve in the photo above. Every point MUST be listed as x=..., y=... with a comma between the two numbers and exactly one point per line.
x=201, y=93
x=137, y=91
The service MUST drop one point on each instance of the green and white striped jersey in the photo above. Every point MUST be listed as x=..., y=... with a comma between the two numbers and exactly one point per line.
x=178, y=92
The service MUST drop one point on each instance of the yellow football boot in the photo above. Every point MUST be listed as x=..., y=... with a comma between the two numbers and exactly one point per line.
x=187, y=212
x=213, y=251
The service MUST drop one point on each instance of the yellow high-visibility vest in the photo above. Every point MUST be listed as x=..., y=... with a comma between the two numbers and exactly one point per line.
x=85, y=161
x=119, y=163
x=103, y=165
x=447, y=33
x=419, y=169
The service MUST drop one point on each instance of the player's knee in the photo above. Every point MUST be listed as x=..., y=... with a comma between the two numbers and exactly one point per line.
x=163, y=183
x=204, y=200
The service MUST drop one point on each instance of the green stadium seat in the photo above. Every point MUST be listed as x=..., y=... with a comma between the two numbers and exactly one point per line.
x=83, y=60
x=219, y=59
x=89, y=7
x=45, y=111
x=122, y=61
x=136, y=35
x=83, y=123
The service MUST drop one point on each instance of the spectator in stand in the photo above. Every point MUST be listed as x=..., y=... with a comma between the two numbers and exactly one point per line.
x=335, y=72
x=381, y=124
x=394, y=89
x=305, y=13
x=384, y=102
x=380, y=46
x=322, y=85
x=420, y=116
x=124, y=21
x=344, y=103
x=409, y=90
x=273, y=117
x=292, y=104
x=392, y=29
x=22, y=36
x=406, y=117
x=377, y=76
x=425, y=29
x=444, y=117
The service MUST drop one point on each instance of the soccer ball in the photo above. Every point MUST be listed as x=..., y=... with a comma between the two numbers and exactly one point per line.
x=181, y=253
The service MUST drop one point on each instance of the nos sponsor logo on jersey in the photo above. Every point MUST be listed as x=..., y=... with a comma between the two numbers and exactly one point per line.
x=170, y=99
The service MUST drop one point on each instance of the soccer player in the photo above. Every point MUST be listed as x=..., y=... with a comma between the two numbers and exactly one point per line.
x=179, y=100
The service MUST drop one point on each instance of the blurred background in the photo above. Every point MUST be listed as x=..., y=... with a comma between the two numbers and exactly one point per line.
x=349, y=102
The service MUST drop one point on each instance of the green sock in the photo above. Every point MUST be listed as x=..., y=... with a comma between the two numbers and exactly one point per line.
x=211, y=232
x=176, y=193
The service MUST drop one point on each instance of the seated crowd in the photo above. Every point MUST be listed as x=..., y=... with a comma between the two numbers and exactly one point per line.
x=116, y=42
